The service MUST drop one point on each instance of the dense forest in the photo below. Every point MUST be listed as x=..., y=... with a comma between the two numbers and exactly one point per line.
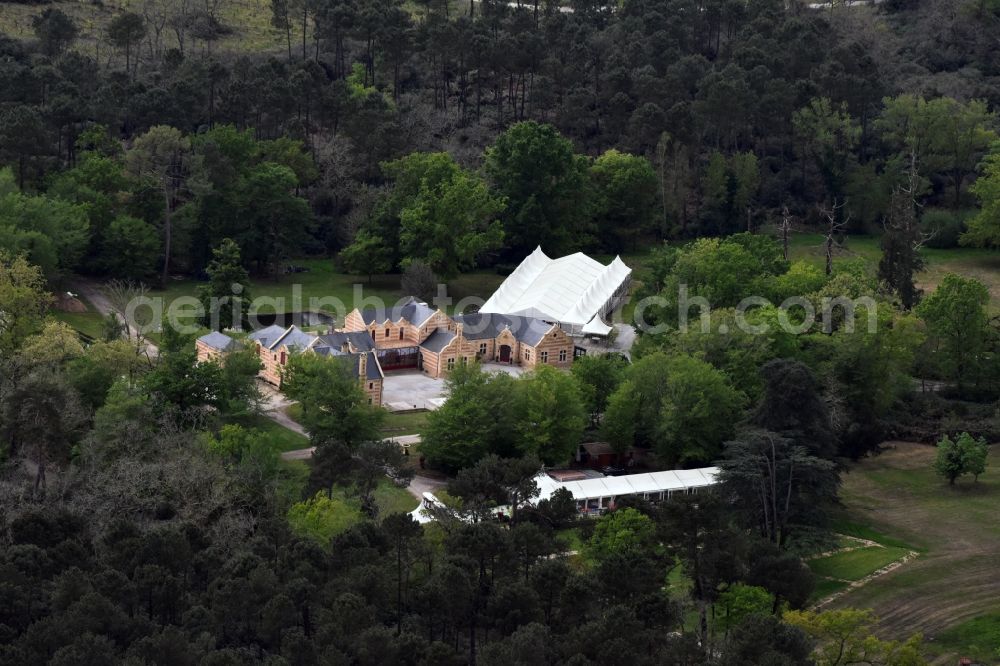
x=146, y=516
x=659, y=119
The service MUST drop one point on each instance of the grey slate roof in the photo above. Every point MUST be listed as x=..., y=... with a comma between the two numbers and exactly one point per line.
x=220, y=341
x=410, y=309
x=482, y=326
x=295, y=338
x=274, y=336
x=438, y=340
x=373, y=369
x=360, y=340
x=267, y=336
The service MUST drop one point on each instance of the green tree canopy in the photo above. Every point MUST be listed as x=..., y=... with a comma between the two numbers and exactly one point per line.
x=624, y=198
x=680, y=405
x=226, y=298
x=984, y=227
x=451, y=219
x=620, y=532
x=334, y=406
x=550, y=415
x=544, y=183
x=955, y=314
x=52, y=233
x=23, y=300
x=963, y=455
x=131, y=248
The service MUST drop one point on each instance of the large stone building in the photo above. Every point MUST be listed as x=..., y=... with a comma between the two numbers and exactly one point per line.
x=276, y=345
x=415, y=335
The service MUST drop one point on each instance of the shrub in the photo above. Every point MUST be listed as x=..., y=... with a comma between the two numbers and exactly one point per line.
x=945, y=225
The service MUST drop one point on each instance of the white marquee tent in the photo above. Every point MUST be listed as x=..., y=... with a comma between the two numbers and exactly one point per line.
x=597, y=493
x=576, y=291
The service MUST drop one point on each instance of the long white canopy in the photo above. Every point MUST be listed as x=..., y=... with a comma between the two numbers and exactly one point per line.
x=630, y=484
x=569, y=290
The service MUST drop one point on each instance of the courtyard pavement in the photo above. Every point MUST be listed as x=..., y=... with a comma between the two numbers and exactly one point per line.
x=411, y=389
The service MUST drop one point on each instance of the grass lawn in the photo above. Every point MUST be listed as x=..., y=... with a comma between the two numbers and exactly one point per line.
x=320, y=288
x=282, y=438
x=827, y=586
x=856, y=564
x=393, y=499
x=404, y=423
x=571, y=538
x=978, y=639
x=979, y=263
x=250, y=24
x=89, y=323
x=395, y=423
x=950, y=591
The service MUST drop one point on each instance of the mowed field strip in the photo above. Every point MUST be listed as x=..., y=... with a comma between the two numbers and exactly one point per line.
x=956, y=531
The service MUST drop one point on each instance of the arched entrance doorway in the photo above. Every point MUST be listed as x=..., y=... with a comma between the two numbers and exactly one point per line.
x=505, y=353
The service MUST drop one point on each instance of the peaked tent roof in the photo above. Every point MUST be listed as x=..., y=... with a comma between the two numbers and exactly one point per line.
x=570, y=290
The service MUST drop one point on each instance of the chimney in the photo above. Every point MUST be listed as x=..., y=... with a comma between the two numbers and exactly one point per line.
x=363, y=365
x=346, y=347
x=458, y=331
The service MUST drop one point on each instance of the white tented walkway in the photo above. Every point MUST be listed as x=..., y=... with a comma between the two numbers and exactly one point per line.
x=597, y=494
x=576, y=291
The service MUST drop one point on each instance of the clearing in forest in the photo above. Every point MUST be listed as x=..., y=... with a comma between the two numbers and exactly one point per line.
x=956, y=531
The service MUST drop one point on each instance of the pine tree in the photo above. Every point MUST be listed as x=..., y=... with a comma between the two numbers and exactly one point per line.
x=226, y=297
x=900, y=245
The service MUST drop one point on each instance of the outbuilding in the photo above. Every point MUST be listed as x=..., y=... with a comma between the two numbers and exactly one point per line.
x=594, y=495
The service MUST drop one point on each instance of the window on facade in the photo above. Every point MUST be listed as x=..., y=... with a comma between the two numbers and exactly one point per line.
x=451, y=363
x=371, y=385
x=482, y=347
x=283, y=358
x=544, y=356
x=562, y=354
x=369, y=401
x=527, y=354
x=388, y=332
x=401, y=334
x=465, y=360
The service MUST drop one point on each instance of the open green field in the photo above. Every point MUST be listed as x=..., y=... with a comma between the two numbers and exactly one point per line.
x=89, y=323
x=319, y=288
x=248, y=20
x=395, y=423
x=950, y=592
x=856, y=564
x=978, y=263
x=281, y=437
x=404, y=423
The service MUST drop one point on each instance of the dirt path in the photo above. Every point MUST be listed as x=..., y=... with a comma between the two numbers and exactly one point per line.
x=92, y=293
x=956, y=529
